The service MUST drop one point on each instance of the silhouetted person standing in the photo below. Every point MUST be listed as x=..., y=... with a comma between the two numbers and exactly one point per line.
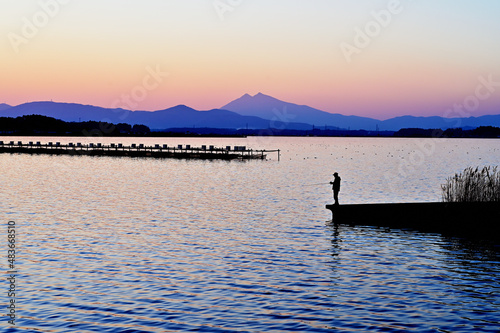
x=336, y=187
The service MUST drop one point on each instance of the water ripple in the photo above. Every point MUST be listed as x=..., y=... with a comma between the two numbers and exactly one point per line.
x=139, y=245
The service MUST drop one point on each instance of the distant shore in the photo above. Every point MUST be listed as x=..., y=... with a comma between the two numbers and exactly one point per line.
x=230, y=133
x=151, y=135
x=36, y=125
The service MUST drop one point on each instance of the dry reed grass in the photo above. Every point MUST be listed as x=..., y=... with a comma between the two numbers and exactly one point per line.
x=473, y=185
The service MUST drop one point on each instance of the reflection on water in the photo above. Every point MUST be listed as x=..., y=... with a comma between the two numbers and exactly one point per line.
x=131, y=245
x=411, y=281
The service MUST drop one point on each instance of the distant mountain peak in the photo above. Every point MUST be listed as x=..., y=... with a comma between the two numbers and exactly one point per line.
x=257, y=98
x=271, y=108
x=257, y=95
x=179, y=108
x=4, y=106
x=261, y=96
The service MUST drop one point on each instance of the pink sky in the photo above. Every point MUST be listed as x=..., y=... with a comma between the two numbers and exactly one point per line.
x=292, y=50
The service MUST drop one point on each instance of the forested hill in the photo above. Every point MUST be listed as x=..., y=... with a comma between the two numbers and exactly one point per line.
x=480, y=132
x=42, y=125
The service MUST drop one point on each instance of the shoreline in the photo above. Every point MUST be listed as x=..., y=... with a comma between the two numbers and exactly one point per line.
x=231, y=136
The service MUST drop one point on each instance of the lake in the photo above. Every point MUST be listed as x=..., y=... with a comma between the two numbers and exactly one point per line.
x=116, y=244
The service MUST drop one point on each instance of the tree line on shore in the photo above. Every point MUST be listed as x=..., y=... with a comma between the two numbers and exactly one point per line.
x=43, y=125
x=479, y=132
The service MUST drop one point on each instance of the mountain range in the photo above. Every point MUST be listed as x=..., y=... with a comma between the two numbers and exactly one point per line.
x=253, y=112
x=4, y=106
x=268, y=107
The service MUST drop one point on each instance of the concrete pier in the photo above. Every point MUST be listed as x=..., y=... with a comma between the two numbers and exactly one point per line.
x=477, y=219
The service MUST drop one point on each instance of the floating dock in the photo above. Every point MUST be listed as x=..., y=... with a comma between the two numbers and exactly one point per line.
x=136, y=150
x=474, y=219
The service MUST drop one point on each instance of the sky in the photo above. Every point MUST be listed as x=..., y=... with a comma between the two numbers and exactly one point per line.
x=377, y=59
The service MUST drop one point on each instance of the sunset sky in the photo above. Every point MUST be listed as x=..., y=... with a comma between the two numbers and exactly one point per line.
x=417, y=57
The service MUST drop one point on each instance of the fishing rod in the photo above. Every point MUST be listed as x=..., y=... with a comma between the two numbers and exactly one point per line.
x=330, y=183
x=317, y=184
x=308, y=185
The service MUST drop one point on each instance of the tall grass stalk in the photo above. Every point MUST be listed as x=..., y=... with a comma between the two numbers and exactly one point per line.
x=473, y=185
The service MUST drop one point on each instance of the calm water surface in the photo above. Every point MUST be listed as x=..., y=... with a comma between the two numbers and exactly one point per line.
x=148, y=245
